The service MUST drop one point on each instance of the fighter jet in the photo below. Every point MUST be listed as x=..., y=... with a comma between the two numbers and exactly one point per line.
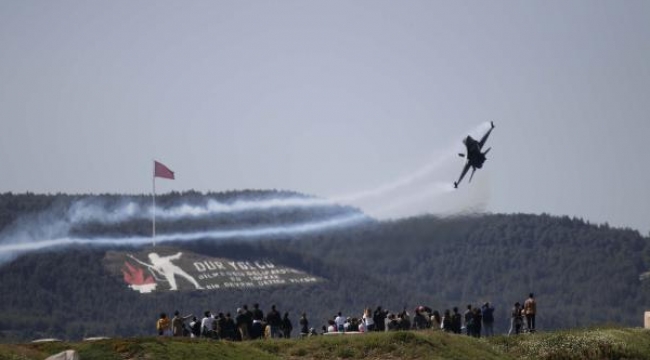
x=475, y=156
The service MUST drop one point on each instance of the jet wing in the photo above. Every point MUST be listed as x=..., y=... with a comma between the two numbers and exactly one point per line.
x=485, y=137
x=462, y=174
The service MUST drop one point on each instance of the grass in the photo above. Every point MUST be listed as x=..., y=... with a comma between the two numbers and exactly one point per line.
x=397, y=345
x=593, y=343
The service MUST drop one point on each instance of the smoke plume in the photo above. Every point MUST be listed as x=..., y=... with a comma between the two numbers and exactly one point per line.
x=51, y=230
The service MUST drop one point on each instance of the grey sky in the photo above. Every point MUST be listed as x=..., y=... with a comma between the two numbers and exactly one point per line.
x=332, y=97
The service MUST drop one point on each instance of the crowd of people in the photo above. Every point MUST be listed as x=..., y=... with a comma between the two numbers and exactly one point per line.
x=251, y=324
x=245, y=325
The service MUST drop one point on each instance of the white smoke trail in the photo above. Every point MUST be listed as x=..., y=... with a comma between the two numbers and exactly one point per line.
x=399, y=183
x=430, y=191
x=296, y=229
x=83, y=212
x=93, y=210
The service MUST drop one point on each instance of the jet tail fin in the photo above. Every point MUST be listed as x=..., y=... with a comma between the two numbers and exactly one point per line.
x=487, y=151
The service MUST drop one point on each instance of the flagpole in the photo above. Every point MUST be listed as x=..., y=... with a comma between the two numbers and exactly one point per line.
x=153, y=232
x=159, y=170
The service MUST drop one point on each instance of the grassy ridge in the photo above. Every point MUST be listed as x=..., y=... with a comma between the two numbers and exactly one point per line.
x=610, y=343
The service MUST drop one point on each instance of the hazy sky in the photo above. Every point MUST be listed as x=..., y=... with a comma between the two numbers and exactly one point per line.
x=331, y=98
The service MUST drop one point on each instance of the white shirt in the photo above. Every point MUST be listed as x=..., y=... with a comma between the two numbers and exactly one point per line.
x=368, y=320
x=206, y=323
x=340, y=321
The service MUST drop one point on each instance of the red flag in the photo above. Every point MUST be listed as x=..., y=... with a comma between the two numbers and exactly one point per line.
x=162, y=171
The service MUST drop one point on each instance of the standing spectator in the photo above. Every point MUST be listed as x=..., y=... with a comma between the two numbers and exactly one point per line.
x=258, y=314
x=304, y=325
x=488, y=319
x=530, y=309
x=379, y=317
x=229, y=330
x=391, y=323
x=404, y=320
x=340, y=322
x=242, y=324
x=178, y=324
x=286, y=326
x=419, y=321
x=219, y=326
x=456, y=321
x=207, y=324
x=469, y=320
x=515, y=319
x=523, y=320
x=447, y=324
x=195, y=327
x=274, y=320
x=248, y=315
x=478, y=318
x=257, y=330
x=368, y=320
x=436, y=321
x=426, y=312
x=162, y=325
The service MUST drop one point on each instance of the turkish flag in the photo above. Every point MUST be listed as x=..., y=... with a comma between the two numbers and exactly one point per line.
x=162, y=171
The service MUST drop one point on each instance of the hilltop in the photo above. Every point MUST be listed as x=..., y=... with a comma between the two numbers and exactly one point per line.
x=610, y=343
x=582, y=274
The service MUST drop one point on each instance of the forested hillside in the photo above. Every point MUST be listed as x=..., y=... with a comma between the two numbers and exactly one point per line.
x=581, y=274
